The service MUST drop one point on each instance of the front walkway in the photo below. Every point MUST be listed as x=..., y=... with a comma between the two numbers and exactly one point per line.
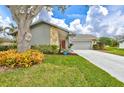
x=113, y=64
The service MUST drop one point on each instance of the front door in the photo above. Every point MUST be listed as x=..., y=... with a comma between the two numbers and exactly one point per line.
x=63, y=44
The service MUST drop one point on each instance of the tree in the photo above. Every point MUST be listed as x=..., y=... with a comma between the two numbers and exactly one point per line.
x=3, y=29
x=115, y=43
x=108, y=41
x=23, y=15
x=11, y=27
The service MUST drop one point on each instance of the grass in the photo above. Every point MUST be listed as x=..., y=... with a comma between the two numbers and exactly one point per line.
x=59, y=70
x=115, y=50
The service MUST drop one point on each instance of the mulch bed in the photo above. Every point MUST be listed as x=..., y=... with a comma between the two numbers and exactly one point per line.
x=4, y=69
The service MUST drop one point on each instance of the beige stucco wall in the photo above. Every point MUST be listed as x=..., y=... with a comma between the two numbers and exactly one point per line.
x=40, y=34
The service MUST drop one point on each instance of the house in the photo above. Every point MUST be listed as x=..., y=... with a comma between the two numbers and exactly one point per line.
x=121, y=43
x=82, y=41
x=120, y=39
x=45, y=33
x=6, y=42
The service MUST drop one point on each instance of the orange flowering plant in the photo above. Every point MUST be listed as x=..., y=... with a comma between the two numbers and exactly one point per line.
x=12, y=58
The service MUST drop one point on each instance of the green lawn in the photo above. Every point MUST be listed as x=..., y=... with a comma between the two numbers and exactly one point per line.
x=115, y=50
x=59, y=70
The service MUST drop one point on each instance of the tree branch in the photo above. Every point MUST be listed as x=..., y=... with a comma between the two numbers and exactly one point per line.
x=14, y=13
x=35, y=10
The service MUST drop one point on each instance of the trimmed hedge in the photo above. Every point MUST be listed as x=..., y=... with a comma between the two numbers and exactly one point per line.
x=7, y=47
x=99, y=46
x=47, y=49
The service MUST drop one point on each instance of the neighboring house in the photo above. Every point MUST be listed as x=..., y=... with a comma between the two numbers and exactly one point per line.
x=121, y=43
x=120, y=39
x=45, y=33
x=6, y=41
x=82, y=41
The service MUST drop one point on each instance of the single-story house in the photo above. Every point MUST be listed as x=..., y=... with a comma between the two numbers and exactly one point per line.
x=45, y=33
x=120, y=39
x=82, y=41
x=121, y=43
x=6, y=42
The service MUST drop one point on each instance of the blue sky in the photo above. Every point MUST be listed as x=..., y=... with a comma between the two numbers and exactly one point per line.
x=71, y=13
x=97, y=20
x=4, y=11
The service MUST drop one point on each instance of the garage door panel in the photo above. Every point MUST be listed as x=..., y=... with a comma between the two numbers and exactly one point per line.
x=79, y=45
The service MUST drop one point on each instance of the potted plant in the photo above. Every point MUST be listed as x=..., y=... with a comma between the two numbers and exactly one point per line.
x=65, y=52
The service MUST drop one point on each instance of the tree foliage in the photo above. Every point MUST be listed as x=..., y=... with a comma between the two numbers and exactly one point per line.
x=108, y=41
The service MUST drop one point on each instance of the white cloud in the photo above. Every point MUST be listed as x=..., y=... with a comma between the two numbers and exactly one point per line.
x=94, y=18
x=103, y=10
x=1, y=18
x=5, y=23
x=8, y=20
x=110, y=29
x=87, y=29
x=59, y=22
x=97, y=34
x=105, y=23
x=95, y=11
x=47, y=16
x=77, y=27
x=100, y=21
x=114, y=23
x=74, y=24
x=120, y=31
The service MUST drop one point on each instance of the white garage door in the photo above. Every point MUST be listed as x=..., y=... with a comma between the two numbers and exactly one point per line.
x=79, y=45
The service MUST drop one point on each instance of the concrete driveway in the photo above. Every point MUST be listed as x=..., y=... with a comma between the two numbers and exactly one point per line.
x=112, y=64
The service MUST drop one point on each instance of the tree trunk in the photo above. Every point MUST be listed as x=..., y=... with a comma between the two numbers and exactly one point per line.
x=23, y=16
x=24, y=36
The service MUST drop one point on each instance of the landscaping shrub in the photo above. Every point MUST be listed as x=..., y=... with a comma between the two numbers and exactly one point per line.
x=7, y=47
x=47, y=49
x=12, y=58
x=99, y=46
x=95, y=47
